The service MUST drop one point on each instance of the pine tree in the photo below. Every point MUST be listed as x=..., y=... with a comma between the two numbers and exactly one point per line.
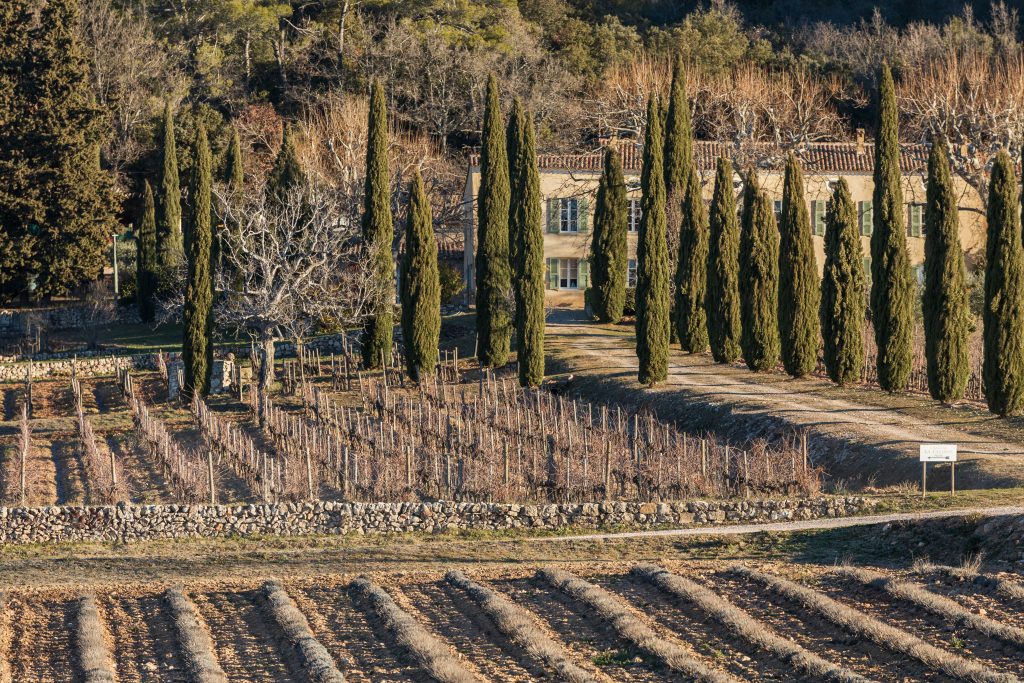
x=1004, y=294
x=378, y=234
x=421, y=286
x=691, y=270
x=759, y=278
x=799, y=288
x=891, y=290
x=169, y=237
x=286, y=173
x=609, y=263
x=527, y=243
x=723, y=297
x=234, y=170
x=146, y=257
x=493, y=271
x=652, y=295
x=197, y=317
x=947, y=325
x=842, y=290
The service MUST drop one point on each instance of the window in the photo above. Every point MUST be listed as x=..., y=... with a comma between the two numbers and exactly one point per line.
x=818, y=217
x=568, y=215
x=631, y=273
x=569, y=220
x=866, y=212
x=917, y=272
x=568, y=273
x=915, y=220
x=635, y=213
x=778, y=210
x=866, y=260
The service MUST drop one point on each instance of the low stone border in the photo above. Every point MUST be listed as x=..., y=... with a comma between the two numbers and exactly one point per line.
x=144, y=522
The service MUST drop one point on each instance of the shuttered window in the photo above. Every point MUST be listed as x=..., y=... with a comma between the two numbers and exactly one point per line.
x=631, y=273
x=915, y=220
x=818, y=217
x=568, y=273
x=635, y=212
x=552, y=273
x=867, y=215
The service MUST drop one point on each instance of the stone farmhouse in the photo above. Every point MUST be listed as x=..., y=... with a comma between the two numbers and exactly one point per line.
x=569, y=183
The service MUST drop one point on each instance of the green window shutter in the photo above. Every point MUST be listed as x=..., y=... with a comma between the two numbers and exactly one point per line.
x=866, y=218
x=914, y=224
x=818, y=212
x=867, y=267
x=584, y=214
x=584, y=273
x=554, y=215
x=552, y=273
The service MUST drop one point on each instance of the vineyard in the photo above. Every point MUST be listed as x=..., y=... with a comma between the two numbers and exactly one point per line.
x=330, y=432
x=644, y=622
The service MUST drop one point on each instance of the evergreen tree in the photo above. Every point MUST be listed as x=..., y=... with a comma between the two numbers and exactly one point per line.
x=799, y=288
x=146, y=257
x=234, y=173
x=169, y=237
x=691, y=270
x=1004, y=294
x=378, y=234
x=723, y=297
x=421, y=286
x=527, y=242
x=493, y=271
x=652, y=295
x=842, y=290
x=287, y=172
x=891, y=290
x=609, y=262
x=197, y=317
x=759, y=278
x=678, y=138
x=947, y=324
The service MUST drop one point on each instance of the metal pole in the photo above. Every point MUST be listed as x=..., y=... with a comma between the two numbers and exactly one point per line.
x=117, y=288
x=952, y=479
x=924, y=479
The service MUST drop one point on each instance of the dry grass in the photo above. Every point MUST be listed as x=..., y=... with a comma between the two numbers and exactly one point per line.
x=410, y=635
x=318, y=662
x=194, y=639
x=863, y=625
x=936, y=604
x=745, y=626
x=518, y=625
x=630, y=628
x=970, y=570
x=5, y=640
x=93, y=655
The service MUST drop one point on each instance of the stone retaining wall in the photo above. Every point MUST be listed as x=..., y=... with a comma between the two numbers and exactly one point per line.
x=144, y=522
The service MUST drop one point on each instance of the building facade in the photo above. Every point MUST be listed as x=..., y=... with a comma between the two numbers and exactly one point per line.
x=569, y=183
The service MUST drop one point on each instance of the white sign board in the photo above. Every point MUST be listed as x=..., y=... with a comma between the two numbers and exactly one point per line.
x=938, y=452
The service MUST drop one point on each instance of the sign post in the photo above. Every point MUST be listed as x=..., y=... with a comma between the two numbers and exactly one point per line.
x=938, y=452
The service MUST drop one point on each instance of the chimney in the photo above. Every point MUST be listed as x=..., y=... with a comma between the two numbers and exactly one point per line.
x=860, y=141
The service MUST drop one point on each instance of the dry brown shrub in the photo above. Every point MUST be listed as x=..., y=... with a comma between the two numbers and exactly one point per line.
x=93, y=656
x=317, y=661
x=194, y=639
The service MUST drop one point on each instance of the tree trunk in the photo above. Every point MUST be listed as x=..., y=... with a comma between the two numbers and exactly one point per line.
x=266, y=364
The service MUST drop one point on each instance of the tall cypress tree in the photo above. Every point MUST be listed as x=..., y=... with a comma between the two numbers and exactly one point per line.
x=493, y=271
x=169, y=237
x=146, y=257
x=286, y=173
x=759, y=278
x=609, y=263
x=842, y=290
x=527, y=241
x=234, y=170
x=947, y=322
x=197, y=317
x=378, y=234
x=421, y=286
x=723, y=298
x=691, y=270
x=652, y=295
x=799, y=288
x=891, y=290
x=1004, y=294
x=678, y=138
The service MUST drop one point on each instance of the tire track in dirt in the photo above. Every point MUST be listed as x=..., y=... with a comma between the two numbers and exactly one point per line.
x=142, y=639
x=42, y=642
x=359, y=650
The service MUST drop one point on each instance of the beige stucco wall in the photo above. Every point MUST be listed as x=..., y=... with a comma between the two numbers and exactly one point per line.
x=574, y=184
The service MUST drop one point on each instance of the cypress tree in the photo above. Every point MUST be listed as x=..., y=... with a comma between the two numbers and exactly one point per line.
x=378, y=235
x=286, y=173
x=493, y=271
x=234, y=173
x=799, y=288
x=527, y=241
x=421, y=286
x=678, y=138
x=842, y=290
x=1004, y=294
x=169, y=237
x=691, y=270
x=723, y=297
x=946, y=314
x=197, y=318
x=609, y=263
x=652, y=295
x=759, y=279
x=146, y=257
x=891, y=289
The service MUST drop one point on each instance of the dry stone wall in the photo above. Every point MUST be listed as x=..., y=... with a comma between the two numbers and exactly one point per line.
x=143, y=522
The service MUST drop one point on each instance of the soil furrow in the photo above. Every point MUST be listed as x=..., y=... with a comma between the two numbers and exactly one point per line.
x=42, y=641
x=142, y=638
